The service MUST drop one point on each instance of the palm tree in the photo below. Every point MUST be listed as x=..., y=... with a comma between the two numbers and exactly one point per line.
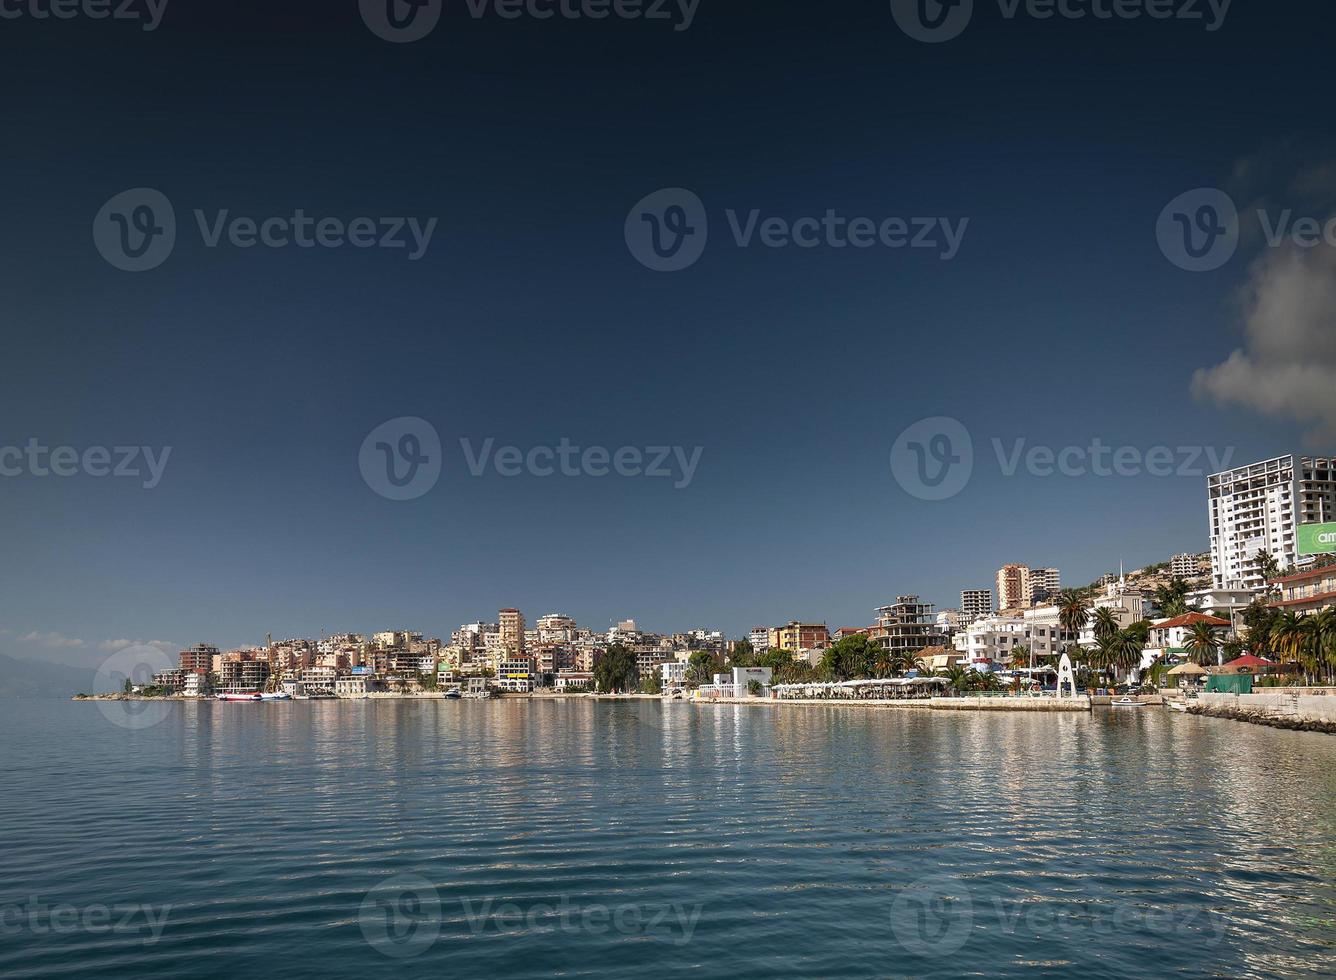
x=1292, y=639
x=958, y=678
x=1105, y=622
x=1324, y=640
x=1127, y=646
x=1172, y=598
x=1073, y=613
x=1202, y=644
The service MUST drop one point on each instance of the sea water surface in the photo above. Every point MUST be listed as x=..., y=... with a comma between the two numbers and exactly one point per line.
x=638, y=839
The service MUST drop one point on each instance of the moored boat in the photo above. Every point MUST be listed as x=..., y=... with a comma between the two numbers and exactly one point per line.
x=275, y=696
x=1125, y=702
x=240, y=696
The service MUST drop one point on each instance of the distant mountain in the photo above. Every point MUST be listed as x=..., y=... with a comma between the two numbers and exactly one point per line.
x=38, y=679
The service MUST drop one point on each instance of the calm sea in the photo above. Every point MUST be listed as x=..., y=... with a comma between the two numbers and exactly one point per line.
x=635, y=839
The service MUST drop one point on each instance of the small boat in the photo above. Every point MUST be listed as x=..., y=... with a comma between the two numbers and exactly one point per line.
x=276, y=696
x=453, y=694
x=1178, y=705
x=243, y=696
x=1125, y=702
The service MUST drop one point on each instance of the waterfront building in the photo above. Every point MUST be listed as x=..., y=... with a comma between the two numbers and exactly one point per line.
x=906, y=626
x=516, y=674
x=975, y=604
x=743, y=676
x=673, y=674
x=799, y=636
x=1307, y=592
x=243, y=671
x=995, y=638
x=173, y=680
x=575, y=680
x=1259, y=507
x=196, y=684
x=1169, y=637
x=199, y=658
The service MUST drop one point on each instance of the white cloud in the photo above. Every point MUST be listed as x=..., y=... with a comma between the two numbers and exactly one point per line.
x=53, y=640
x=1287, y=366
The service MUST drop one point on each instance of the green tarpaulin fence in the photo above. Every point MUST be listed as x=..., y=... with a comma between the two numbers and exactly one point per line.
x=1229, y=683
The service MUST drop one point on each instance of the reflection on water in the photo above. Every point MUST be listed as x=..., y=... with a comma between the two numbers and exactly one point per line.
x=526, y=839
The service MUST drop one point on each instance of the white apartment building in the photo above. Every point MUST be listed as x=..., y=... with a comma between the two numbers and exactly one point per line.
x=1258, y=508
x=1045, y=584
x=975, y=603
x=994, y=638
x=760, y=639
x=1185, y=566
x=673, y=674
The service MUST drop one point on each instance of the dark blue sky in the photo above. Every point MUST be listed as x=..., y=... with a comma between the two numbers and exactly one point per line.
x=528, y=320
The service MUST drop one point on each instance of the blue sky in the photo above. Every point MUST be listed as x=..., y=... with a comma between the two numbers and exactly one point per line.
x=528, y=321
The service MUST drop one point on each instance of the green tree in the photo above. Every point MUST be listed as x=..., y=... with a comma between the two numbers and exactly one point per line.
x=651, y=684
x=755, y=688
x=701, y=667
x=1267, y=565
x=1073, y=613
x=1105, y=623
x=743, y=654
x=1203, y=642
x=1172, y=598
x=616, y=671
x=852, y=657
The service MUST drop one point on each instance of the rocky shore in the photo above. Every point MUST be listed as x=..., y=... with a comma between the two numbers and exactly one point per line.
x=1293, y=723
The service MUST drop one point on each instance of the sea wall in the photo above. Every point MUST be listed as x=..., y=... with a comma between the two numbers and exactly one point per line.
x=1078, y=703
x=1278, y=709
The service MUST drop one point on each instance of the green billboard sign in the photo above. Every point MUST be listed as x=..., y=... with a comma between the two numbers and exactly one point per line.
x=1317, y=539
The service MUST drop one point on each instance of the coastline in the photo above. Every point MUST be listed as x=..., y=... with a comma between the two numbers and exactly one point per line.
x=1081, y=703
